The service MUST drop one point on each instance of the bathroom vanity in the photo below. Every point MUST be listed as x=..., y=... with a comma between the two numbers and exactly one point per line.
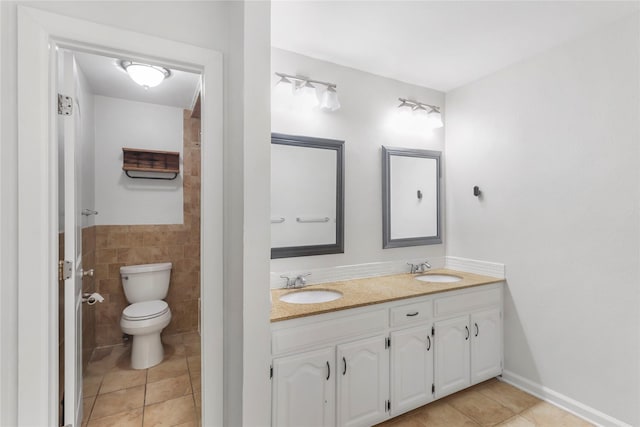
x=388, y=345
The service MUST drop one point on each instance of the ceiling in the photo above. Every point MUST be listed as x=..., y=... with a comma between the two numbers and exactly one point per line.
x=107, y=78
x=436, y=44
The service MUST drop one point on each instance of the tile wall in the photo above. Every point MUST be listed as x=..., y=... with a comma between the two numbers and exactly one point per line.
x=118, y=245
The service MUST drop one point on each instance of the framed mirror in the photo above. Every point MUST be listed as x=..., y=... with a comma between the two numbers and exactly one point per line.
x=410, y=197
x=307, y=196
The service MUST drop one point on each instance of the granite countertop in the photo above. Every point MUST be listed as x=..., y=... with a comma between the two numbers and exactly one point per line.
x=372, y=290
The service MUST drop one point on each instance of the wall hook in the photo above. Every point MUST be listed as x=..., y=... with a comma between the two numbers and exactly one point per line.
x=419, y=195
x=476, y=191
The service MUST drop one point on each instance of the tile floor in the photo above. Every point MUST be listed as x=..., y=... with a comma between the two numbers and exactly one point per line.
x=167, y=394
x=491, y=403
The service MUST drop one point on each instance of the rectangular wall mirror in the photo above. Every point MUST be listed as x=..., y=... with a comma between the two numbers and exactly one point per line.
x=307, y=196
x=410, y=197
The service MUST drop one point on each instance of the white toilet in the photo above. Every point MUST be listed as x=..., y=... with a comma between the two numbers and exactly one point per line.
x=145, y=287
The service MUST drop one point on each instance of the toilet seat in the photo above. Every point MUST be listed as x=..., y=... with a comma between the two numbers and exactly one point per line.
x=145, y=310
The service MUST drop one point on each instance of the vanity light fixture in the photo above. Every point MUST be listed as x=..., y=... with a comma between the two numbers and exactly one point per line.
x=144, y=74
x=430, y=112
x=326, y=94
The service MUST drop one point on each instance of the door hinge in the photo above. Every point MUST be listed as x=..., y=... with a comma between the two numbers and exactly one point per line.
x=433, y=331
x=271, y=372
x=387, y=343
x=388, y=406
x=65, y=105
x=433, y=388
x=64, y=270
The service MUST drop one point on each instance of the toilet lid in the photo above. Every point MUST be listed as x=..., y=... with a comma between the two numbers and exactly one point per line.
x=145, y=310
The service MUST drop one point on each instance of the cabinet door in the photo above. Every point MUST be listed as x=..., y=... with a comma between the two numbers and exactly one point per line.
x=363, y=382
x=411, y=369
x=304, y=390
x=452, y=348
x=486, y=345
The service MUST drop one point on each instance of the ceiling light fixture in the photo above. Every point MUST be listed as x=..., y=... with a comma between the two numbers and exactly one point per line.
x=144, y=74
x=430, y=112
x=326, y=94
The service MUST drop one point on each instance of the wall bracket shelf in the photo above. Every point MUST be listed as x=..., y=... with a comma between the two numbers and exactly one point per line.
x=139, y=160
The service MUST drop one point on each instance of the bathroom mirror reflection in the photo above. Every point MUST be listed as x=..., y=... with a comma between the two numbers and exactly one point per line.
x=411, y=197
x=307, y=196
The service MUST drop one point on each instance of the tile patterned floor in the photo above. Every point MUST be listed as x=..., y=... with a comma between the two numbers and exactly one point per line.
x=492, y=403
x=167, y=394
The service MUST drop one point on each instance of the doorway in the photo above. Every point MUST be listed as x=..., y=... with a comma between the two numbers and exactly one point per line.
x=133, y=218
x=41, y=36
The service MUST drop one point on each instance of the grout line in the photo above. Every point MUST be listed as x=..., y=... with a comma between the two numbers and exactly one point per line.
x=473, y=420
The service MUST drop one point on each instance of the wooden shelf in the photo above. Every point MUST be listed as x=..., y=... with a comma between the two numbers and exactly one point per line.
x=139, y=160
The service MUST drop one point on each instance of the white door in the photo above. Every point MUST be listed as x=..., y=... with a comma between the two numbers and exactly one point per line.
x=72, y=249
x=411, y=369
x=486, y=345
x=304, y=390
x=452, y=364
x=363, y=382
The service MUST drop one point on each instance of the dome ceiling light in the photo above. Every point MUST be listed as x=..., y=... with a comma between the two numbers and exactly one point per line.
x=144, y=74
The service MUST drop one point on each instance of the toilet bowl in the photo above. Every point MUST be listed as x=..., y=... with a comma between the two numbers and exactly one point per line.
x=145, y=286
x=144, y=321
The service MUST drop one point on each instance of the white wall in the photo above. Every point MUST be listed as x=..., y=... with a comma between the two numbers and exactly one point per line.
x=122, y=200
x=366, y=121
x=553, y=144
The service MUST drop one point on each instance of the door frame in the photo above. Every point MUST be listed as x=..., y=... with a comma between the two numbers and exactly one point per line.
x=38, y=33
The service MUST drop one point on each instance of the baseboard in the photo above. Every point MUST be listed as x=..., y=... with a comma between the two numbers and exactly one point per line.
x=561, y=401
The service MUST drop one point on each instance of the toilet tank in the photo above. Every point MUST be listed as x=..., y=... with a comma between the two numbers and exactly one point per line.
x=145, y=282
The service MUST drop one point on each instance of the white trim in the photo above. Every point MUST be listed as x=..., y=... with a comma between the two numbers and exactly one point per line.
x=485, y=268
x=561, y=401
x=37, y=229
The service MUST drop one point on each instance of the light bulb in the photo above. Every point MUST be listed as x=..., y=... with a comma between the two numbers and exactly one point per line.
x=434, y=119
x=330, y=100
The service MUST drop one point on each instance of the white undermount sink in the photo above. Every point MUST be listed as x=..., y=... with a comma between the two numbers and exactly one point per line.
x=439, y=278
x=311, y=296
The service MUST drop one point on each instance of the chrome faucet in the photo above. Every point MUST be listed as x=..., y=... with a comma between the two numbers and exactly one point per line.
x=419, y=268
x=296, y=282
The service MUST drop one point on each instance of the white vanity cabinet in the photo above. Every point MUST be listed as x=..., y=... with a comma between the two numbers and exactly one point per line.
x=453, y=358
x=486, y=344
x=360, y=366
x=305, y=391
x=468, y=346
x=363, y=381
x=411, y=368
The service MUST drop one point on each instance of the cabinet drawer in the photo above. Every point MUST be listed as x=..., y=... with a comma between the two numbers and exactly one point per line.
x=327, y=331
x=411, y=313
x=467, y=302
